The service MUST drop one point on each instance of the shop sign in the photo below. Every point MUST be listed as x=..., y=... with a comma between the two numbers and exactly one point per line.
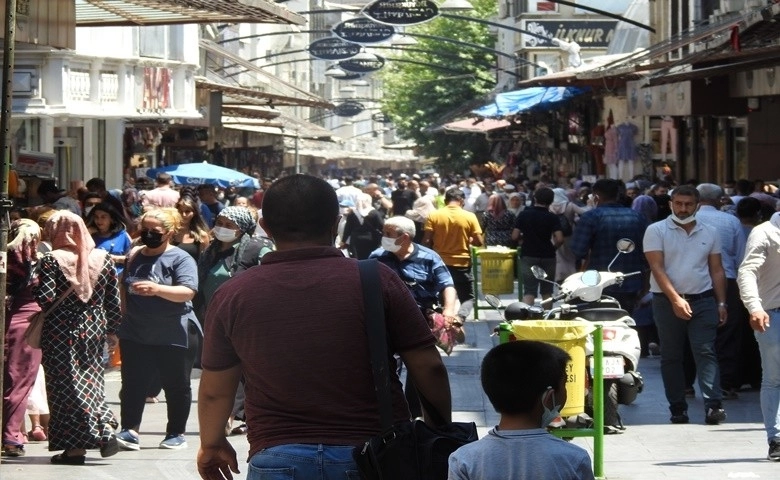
x=362, y=65
x=34, y=163
x=587, y=33
x=349, y=76
x=333, y=48
x=363, y=30
x=348, y=109
x=401, y=12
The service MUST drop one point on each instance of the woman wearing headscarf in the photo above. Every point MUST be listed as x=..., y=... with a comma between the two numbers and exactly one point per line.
x=515, y=203
x=563, y=207
x=498, y=222
x=646, y=206
x=85, y=280
x=159, y=329
x=21, y=360
x=421, y=208
x=234, y=249
x=363, y=228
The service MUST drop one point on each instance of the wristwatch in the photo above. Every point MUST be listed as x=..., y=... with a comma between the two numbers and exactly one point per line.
x=722, y=304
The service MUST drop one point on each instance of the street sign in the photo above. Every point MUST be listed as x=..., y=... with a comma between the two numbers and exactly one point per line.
x=333, y=48
x=348, y=109
x=401, y=12
x=363, y=30
x=362, y=65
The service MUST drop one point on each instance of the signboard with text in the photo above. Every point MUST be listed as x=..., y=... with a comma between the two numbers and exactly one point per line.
x=401, y=12
x=362, y=65
x=587, y=33
x=363, y=30
x=333, y=48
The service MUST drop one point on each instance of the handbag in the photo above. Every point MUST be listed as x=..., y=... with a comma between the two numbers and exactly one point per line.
x=35, y=329
x=409, y=450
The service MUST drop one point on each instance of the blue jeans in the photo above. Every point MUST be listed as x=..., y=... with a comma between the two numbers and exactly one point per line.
x=700, y=331
x=302, y=461
x=769, y=346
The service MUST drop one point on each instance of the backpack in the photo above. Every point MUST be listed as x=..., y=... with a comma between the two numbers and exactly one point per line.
x=566, y=227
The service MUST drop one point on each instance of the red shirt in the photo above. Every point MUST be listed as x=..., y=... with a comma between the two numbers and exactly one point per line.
x=296, y=324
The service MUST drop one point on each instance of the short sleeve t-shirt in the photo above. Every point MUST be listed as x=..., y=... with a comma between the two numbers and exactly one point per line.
x=118, y=243
x=155, y=320
x=537, y=225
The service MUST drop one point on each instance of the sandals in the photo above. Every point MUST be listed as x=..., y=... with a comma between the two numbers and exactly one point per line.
x=13, y=451
x=63, y=459
x=37, y=433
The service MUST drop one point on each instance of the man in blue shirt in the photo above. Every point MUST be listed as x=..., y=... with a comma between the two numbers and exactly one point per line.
x=597, y=232
x=425, y=274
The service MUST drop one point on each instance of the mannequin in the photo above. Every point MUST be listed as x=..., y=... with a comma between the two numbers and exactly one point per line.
x=626, y=153
x=610, y=151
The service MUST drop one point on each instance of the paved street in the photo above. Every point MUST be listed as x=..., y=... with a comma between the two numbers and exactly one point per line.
x=651, y=448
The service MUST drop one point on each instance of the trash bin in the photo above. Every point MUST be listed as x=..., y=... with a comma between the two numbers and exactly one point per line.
x=571, y=336
x=498, y=270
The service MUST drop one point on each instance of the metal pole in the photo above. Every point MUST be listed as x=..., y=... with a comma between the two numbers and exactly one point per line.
x=297, y=157
x=6, y=105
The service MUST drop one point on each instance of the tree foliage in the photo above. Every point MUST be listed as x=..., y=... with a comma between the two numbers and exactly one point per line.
x=425, y=82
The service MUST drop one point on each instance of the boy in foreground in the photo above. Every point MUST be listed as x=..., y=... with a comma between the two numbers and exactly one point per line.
x=526, y=383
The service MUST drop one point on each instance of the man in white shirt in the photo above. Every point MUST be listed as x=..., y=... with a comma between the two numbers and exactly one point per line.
x=759, y=287
x=162, y=196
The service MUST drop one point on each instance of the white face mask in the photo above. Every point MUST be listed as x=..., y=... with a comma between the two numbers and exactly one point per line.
x=225, y=234
x=549, y=415
x=728, y=191
x=683, y=221
x=390, y=245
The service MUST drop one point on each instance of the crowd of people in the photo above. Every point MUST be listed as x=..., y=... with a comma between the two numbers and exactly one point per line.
x=164, y=277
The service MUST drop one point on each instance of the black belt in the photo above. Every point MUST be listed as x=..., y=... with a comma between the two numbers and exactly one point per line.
x=698, y=296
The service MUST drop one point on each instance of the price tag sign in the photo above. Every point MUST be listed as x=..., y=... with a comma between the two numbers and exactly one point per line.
x=612, y=367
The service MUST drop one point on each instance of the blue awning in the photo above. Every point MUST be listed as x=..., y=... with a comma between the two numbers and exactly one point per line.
x=512, y=103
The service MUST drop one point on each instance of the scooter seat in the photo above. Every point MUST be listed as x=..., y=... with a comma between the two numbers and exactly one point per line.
x=602, y=314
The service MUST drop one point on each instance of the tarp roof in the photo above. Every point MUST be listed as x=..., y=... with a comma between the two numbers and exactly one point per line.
x=105, y=13
x=476, y=125
x=518, y=101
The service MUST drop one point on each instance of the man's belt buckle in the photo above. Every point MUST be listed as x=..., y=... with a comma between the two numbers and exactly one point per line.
x=696, y=296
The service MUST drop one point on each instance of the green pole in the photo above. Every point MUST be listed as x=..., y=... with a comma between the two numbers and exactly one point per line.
x=598, y=403
x=6, y=104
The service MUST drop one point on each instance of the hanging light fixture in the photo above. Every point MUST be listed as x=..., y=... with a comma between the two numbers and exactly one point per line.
x=456, y=6
x=364, y=56
x=335, y=71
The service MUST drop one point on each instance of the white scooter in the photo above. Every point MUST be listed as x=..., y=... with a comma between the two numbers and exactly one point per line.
x=582, y=299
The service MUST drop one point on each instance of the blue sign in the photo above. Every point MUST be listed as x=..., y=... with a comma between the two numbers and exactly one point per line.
x=358, y=65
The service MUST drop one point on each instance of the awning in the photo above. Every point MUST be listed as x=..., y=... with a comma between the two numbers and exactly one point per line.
x=518, y=101
x=105, y=13
x=573, y=77
x=476, y=125
x=266, y=129
x=282, y=91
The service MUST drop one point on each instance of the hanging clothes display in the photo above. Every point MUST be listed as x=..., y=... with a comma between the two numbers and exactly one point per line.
x=610, y=151
x=626, y=149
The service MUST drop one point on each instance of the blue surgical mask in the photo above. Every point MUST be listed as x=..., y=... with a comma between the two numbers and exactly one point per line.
x=549, y=415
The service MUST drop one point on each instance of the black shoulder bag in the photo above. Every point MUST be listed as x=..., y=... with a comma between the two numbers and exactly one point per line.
x=408, y=450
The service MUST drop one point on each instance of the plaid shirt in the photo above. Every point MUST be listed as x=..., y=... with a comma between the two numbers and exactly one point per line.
x=597, y=233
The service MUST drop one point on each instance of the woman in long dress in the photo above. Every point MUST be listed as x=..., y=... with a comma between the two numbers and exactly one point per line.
x=73, y=338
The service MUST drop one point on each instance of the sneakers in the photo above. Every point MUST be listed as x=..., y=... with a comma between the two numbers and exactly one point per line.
x=679, y=418
x=128, y=440
x=714, y=416
x=173, y=441
x=774, y=451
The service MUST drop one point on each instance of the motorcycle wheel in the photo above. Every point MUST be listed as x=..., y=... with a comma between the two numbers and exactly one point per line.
x=611, y=415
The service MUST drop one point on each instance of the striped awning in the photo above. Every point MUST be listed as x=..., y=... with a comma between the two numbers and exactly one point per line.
x=103, y=13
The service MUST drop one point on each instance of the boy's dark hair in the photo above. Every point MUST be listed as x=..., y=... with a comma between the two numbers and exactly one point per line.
x=748, y=207
x=300, y=208
x=544, y=196
x=453, y=195
x=516, y=374
x=744, y=187
x=96, y=184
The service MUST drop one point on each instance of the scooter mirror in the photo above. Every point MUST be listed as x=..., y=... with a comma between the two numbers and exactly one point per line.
x=591, y=278
x=493, y=300
x=625, y=245
x=538, y=272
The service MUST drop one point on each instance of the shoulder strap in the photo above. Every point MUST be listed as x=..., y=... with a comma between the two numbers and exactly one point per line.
x=377, y=341
x=58, y=301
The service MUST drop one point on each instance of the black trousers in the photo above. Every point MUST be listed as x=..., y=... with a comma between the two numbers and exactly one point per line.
x=728, y=343
x=463, y=278
x=173, y=365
